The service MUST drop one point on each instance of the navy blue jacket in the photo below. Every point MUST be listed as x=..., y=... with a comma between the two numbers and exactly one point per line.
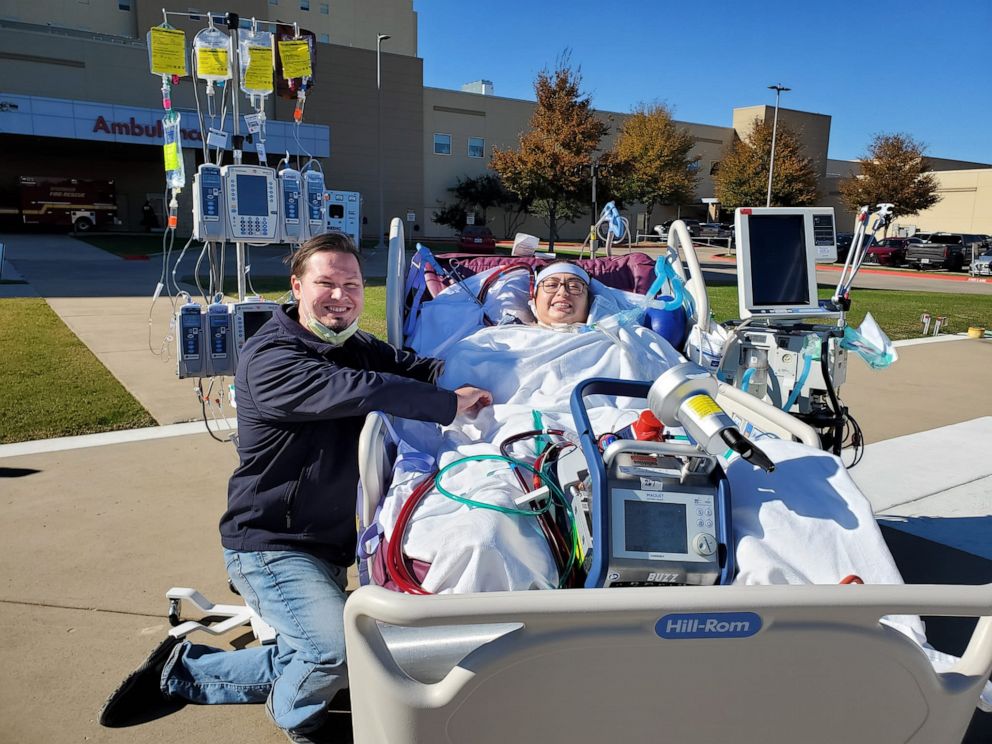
x=301, y=405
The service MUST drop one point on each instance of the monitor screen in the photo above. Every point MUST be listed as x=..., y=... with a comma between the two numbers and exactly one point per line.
x=253, y=196
x=654, y=527
x=335, y=211
x=778, y=261
x=255, y=319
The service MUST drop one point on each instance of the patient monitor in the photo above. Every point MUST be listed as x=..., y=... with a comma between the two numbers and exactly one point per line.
x=777, y=252
x=252, y=203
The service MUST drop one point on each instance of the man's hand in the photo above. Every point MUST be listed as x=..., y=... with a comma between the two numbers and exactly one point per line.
x=471, y=400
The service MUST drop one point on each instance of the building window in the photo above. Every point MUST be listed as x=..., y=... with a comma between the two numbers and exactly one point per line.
x=442, y=144
x=324, y=38
x=273, y=2
x=476, y=147
x=304, y=4
x=325, y=8
x=123, y=4
x=194, y=14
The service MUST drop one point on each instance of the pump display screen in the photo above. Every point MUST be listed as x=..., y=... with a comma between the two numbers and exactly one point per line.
x=654, y=527
x=254, y=321
x=778, y=260
x=253, y=196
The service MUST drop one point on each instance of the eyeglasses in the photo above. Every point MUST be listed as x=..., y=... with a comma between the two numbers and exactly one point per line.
x=572, y=286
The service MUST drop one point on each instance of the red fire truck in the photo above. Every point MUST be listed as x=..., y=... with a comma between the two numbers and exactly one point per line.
x=79, y=203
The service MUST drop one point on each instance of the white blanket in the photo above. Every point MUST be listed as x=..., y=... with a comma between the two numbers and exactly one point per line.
x=806, y=522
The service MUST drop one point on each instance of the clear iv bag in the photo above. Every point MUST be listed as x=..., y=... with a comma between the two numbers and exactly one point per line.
x=256, y=62
x=212, y=51
x=175, y=170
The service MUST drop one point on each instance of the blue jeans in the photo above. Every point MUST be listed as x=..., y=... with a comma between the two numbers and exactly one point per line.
x=302, y=598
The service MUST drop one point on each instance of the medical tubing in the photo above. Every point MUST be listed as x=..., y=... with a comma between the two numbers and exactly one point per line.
x=556, y=541
x=482, y=504
x=548, y=525
x=502, y=271
x=395, y=563
x=825, y=371
x=571, y=546
x=797, y=388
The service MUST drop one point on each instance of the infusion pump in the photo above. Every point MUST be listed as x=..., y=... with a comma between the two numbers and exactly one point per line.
x=252, y=204
x=210, y=339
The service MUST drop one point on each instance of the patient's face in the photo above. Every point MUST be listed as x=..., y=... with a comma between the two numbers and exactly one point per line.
x=562, y=298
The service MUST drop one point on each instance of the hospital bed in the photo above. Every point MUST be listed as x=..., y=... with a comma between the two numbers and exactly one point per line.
x=784, y=663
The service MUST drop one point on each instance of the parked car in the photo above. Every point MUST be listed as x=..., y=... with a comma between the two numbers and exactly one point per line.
x=844, y=241
x=693, y=226
x=982, y=266
x=715, y=230
x=951, y=251
x=477, y=238
x=890, y=252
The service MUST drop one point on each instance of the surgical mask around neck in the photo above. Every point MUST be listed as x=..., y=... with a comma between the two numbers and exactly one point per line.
x=321, y=331
x=332, y=337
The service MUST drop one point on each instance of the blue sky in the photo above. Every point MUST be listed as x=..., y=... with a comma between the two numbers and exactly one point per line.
x=922, y=68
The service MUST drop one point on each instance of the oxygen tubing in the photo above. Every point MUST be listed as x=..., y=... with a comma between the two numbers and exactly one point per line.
x=794, y=396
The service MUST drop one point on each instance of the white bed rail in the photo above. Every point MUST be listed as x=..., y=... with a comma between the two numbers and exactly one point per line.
x=395, y=278
x=593, y=665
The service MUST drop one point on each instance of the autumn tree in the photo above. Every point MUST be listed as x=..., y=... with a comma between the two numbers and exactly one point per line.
x=650, y=161
x=551, y=164
x=892, y=171
x=742, y=179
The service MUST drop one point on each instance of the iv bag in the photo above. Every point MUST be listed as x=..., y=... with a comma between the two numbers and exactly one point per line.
x=212, y=48
x=256, y=62
x=175, y=169
x=166, y=51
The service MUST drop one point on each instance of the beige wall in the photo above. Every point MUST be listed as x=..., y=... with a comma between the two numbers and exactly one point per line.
x=501, y=121
x=100, y=16
x=965, y=204
x=352, y=23
x=813, y=129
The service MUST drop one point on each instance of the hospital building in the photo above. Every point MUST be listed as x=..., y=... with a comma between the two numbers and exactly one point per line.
x=77, y=100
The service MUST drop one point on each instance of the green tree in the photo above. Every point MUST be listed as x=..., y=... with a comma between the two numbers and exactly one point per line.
x=650, y=161
x=742, y=179
x=893, y=171
x=551, y=165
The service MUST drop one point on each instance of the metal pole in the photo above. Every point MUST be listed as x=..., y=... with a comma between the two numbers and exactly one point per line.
x=378, y=135
x=771, y=161
x=594, y=241
x=239, y=247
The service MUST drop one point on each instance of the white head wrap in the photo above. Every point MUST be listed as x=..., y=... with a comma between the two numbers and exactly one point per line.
x=562, y=268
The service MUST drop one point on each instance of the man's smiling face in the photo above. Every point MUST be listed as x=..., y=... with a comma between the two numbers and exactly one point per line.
x=331, y=290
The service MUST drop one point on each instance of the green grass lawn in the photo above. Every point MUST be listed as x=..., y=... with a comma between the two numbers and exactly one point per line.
x=53, y=386
x=897, y=312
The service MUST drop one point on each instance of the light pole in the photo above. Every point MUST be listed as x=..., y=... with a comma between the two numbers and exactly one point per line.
x=378, y=134
x=779, y=89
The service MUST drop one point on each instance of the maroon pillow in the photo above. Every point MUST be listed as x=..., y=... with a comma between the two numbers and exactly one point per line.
x=633, y=272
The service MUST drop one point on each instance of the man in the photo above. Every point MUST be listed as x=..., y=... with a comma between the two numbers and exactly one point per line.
x=305, y=382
